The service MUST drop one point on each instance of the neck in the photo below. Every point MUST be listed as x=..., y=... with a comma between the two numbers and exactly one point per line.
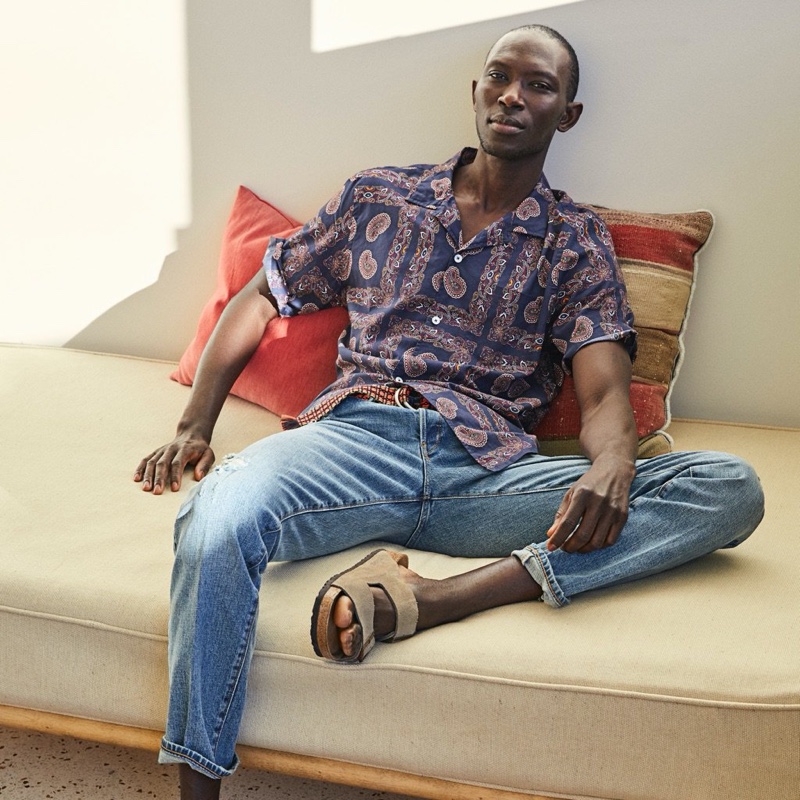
x=494, y=185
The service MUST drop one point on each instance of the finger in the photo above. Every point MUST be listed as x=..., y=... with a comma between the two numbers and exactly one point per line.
x=554, y=531
x=176, y=472
x=583, y=532
x=204, y=464
x=613, y=535
x=138, y=475
x=149, y=472
x=563, y=530
x=616, y=529
x=162, y=470
x=587, y=512
x=185, y=457
x=607, y=530
x=599, y=538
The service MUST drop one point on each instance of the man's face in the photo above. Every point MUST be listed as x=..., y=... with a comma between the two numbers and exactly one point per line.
x=520, y=100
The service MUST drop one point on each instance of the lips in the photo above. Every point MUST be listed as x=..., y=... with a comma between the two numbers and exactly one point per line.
x=505, y=124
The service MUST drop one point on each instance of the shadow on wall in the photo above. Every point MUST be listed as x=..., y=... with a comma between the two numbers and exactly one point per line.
x=157, y=321
x=266, y=112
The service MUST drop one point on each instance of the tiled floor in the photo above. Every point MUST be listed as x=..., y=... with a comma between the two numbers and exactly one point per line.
x=35, y=766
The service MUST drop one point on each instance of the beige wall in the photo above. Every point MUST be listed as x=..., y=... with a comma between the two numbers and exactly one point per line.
x=94, y=157
x=689, y=104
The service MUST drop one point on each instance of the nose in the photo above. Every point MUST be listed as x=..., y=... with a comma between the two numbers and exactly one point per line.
x=512, y=96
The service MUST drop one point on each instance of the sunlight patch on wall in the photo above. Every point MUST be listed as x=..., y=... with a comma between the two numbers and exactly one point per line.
x=94, y=158
x=346, y=23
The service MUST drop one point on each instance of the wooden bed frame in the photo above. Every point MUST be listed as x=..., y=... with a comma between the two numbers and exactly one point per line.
x=321, y=769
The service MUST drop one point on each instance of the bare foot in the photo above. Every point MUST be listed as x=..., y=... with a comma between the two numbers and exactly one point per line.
x=344, y=618
x=440, y=601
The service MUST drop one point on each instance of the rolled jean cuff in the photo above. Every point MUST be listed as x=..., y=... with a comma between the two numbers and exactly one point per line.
x=535, y=560
x=172, y=753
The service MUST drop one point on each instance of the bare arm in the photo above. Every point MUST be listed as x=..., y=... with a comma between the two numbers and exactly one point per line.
x=595, y=508
x=234, y=340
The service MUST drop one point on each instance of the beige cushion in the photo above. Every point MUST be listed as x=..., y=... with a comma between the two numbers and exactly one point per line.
x=685, y=685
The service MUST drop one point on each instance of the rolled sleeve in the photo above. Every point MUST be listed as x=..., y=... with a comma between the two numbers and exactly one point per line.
x=592, y=300
x=308, y=270
x=287, y=305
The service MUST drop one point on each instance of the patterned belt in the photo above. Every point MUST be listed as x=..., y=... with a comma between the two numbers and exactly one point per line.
x=391, y=395
x=402, y=396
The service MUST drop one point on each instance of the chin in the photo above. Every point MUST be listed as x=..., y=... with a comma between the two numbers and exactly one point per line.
x=509, y=152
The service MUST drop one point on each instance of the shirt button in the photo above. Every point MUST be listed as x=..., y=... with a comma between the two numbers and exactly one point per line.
x=398, y=380
x=458, y=258
x=436, y=320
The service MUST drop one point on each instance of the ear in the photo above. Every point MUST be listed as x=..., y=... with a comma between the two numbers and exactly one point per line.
x=570, y=117
x=474, y=86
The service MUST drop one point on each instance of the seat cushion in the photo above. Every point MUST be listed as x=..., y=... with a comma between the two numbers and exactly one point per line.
x=684, y=685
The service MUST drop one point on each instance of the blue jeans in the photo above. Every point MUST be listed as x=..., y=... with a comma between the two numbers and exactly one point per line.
x=371, y=472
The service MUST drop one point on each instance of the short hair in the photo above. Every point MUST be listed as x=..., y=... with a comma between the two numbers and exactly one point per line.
x=551, y=33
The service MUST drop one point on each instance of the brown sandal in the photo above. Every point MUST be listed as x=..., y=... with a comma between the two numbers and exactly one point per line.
x=379, y=568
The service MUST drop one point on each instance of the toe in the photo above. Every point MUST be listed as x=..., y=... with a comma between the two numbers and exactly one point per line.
x=350, y=640
x=348, y=629
x=343, y=616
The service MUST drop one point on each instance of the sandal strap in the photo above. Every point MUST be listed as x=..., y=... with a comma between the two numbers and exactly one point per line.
x=380, y=570
x=405, y=606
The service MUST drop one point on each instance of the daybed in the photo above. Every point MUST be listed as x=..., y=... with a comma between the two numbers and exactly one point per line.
x=683, y=686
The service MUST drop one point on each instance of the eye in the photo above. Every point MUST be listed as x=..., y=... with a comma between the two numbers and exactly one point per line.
x=496, y=75
x=541, y=86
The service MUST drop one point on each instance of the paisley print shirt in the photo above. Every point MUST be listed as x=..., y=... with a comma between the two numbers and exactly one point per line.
x=484, y=330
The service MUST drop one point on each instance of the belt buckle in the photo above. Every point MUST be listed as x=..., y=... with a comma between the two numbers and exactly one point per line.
x=406, y=402
x=402, y=403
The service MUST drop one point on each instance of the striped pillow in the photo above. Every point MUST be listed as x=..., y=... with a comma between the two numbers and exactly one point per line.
x=658, y=257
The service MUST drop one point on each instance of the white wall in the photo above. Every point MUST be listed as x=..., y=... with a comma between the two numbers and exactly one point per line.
x=689, y=104
x=94, y=157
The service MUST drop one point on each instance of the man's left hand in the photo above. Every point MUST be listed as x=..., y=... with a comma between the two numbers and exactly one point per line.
x=594, y=509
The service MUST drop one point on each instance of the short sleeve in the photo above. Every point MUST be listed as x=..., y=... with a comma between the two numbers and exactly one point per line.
x=308, y=270
x=591, y=301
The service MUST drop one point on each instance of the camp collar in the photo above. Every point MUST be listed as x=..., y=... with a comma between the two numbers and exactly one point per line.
x=435, y=192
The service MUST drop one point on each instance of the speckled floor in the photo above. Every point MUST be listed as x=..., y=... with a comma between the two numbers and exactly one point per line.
x=35, y=766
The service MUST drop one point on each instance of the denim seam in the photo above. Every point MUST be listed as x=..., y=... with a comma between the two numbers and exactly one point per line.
x=429, y=416
x=347, y=506
x=238, y=669
x=203, y=764
x=425, y=499
x=519, y=493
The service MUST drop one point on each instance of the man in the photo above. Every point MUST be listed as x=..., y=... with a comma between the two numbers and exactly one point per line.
x=471, y=287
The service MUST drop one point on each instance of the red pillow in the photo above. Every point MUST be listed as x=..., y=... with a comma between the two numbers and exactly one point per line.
x=296, y=358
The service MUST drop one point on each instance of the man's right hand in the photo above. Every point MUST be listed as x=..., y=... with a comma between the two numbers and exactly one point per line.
x=240, y=328
x=165, y=466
